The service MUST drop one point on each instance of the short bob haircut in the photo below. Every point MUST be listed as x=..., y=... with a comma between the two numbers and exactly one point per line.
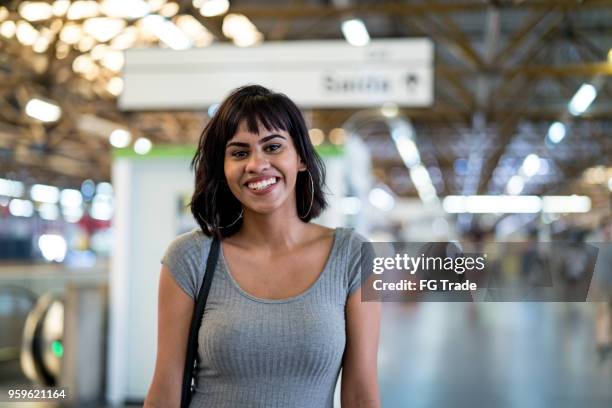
x=213, y=205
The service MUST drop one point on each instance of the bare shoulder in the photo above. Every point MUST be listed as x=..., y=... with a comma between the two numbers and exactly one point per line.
x=320, y=233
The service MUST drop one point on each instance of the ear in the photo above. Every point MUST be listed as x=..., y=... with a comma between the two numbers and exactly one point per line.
x=302, y=166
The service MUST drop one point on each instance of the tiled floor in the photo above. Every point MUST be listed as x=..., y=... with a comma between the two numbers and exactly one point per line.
x=492, y=355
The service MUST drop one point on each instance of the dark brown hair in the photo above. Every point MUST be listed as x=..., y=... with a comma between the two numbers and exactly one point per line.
x=213, y=205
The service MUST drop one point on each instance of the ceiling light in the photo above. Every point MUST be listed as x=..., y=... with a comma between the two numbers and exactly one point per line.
x=11, y=188
x=142, y=145
x=582, y=99
x=48, y=211
x=113, y=60
x=44, y=194
x=381, y=199
x=389, y=110
x=169, y=9
x=531, y=165
x=83, y=9
x=130, y=9
x=71, y=198
x=241, y=30
x=556, y=132
x=355, y=32
x=126, y=39
x=166, y=31
x=211, y=8
x=8, y=28
x=194, y=30
x=120, y=138
x=115, y=86
x=103, y=28
x=71, y=33
x=43, y=110
x=515, y=185
x=35, y=10
x=60, y=7
x=21, y=208
x=26, y=34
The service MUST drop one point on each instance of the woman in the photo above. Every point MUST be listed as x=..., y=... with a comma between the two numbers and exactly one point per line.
x=284, y=312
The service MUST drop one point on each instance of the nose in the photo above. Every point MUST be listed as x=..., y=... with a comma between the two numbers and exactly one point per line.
x=257, y=163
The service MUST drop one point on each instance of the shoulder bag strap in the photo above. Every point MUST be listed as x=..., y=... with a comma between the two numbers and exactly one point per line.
x=196, y=321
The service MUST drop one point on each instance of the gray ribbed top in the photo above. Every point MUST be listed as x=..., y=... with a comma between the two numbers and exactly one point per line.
x=268, y=353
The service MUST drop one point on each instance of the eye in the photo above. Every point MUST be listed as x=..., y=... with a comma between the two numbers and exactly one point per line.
x=273, y=147
x=239, y=154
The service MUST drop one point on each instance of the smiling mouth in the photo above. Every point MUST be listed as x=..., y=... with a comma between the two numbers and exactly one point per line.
x=263, y=184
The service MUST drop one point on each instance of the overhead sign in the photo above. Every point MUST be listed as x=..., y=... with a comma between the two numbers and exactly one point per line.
x=313, y=73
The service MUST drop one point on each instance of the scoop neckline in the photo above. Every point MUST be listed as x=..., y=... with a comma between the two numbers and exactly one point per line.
x=246, y=294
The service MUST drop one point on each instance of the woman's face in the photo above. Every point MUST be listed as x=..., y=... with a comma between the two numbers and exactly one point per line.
x=261, y=169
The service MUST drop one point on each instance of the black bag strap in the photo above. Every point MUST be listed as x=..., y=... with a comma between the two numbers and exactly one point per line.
x=196, y=321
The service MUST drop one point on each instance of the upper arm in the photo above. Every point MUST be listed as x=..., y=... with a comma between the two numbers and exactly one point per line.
x=175, y=310
x=359, y=374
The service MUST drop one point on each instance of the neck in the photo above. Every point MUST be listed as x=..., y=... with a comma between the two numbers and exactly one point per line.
x=278, y=231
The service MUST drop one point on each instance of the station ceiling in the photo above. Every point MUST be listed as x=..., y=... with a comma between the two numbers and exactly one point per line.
x=504, y=72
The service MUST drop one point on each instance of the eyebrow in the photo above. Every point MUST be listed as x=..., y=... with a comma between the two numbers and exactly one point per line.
x=261, y=141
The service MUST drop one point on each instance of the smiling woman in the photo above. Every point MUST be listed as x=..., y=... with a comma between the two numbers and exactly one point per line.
x=283, y=314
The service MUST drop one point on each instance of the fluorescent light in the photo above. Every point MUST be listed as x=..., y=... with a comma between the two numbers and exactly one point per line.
x=566, y=204
x=211, y=8
x=407, y=150
x=104, y=189
x=516, y=204
x=610, y=184
x=101, y=208
x=42, y=110
x=83, y=9
x=241, y=30
x=26, y=34
x=381, y=199
x=35, y=10
x=582, y=99
x=492, y=204
x=8, y=28
x=194, y=30
x=166, y=31
x=389, y=110
x=21, y=208
x=52, y=247
x=48, y=211
x=142, y=145
x=350, y=205
x=556, y=132
x=72, y=214
x=115, y=86
x=71, y=198
x=531, y=165
x=103, y=28
x=130, y=9
x=11, y=188
x=355, y=32
x=45, y=194
x=515, y=185
x=120, y=138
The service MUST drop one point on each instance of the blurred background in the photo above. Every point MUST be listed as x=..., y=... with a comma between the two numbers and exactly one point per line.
x=479, y=120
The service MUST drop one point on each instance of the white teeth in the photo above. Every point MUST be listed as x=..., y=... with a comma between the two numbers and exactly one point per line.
x=260, y=185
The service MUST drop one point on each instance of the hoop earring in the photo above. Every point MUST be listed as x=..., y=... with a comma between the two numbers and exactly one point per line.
x=226, y=226
x=235, y=221
x=311, y=196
